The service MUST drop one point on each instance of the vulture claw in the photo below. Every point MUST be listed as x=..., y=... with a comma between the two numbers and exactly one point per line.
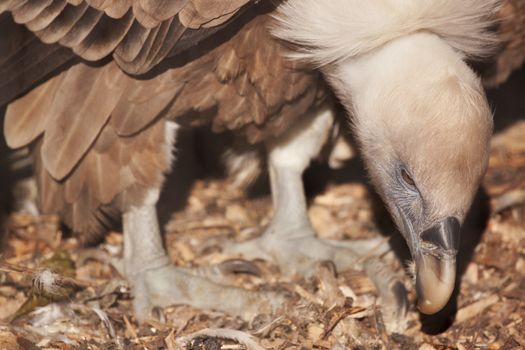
x=217, y=273
x=239, y=266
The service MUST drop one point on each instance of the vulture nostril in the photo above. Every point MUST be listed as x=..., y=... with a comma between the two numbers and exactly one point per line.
x=443, y=235
x=428, y=246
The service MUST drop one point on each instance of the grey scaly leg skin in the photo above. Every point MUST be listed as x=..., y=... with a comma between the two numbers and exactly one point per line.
x=156, y=282
x=24, y=191
x=290, y=241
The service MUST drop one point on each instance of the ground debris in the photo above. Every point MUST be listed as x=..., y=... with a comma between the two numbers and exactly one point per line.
x=329, y=311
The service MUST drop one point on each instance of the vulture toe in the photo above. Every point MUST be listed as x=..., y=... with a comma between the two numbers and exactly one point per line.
x=161, y=286
x=157, y=283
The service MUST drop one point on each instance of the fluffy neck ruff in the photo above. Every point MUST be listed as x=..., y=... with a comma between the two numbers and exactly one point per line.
x=327, y=32
x=416, y=69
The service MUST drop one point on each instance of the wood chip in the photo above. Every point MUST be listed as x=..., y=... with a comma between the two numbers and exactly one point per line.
x=476, y=308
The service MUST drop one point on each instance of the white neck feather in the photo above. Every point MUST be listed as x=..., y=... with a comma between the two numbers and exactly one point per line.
x=412, y=59
x=335, y=30
x=401, y=83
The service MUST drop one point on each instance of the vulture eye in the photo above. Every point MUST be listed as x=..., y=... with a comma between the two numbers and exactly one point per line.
x=408, y=180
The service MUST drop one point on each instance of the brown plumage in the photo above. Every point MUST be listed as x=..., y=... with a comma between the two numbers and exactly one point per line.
x=138, y=34
x=97, y=128
x=96, y=99
x=511, y=52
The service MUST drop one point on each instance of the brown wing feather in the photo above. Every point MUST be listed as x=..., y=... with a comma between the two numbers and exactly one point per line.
x=27, y=117
x=62, y=24
x=129, y=48
x=72, y=188
x=147, y=30
x=155, y=47
x=512, y=35
x=50, y=198
x=24, y=60
x=47, y=16
x=104, y=37
x=234, y=86
x=159, y=10
x=129, y=117
x=81, y=29
x=107, y=179
x=81, y=107
x=10, y=5
x=104, y=143
x=99, y=183
x=29, y=10
x=118, y=8
x=209, y=13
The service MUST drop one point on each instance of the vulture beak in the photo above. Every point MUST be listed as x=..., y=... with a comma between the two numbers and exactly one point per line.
x=436, y=265
x=434, y=252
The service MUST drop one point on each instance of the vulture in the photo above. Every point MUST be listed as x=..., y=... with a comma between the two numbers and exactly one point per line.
x=99, y=88
x=511, y=49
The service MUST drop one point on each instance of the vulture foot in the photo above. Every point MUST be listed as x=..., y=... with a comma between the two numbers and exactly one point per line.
x=299, y=251
x=155, y=282
x=168, y=285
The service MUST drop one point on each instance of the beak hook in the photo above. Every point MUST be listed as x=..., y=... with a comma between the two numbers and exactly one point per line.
x=436, y=265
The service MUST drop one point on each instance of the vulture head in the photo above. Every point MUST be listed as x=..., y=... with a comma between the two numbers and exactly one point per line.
x=424, y=128
x=417, y=109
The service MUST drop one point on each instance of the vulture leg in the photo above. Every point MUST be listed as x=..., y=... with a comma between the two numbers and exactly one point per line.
x=24, y=192
x=290, y=241
x=156, y=282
